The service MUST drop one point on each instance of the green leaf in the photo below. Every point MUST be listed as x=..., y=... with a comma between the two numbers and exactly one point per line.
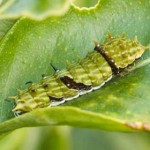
x=5, y=25
x=37, y=9
x=28, y=48
x=85, y=3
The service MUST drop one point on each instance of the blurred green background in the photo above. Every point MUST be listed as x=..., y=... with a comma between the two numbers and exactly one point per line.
x=67, y=138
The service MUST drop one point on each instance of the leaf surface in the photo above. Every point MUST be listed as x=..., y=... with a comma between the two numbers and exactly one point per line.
x=35, y=9
x=28, y=48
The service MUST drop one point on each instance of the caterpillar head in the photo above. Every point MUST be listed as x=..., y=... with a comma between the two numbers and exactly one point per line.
x=21, y=102
x=34, y=97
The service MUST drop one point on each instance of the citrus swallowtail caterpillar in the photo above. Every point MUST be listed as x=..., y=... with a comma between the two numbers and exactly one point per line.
x=106, y=60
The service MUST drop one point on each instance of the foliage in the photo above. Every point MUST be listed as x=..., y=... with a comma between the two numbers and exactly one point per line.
x=39, y=36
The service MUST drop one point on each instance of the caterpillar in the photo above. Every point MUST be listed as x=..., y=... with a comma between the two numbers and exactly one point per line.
x=98, y=67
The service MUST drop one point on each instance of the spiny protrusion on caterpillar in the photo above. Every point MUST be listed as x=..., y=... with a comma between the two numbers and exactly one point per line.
x=92, y=72
x=108, y=36
x=124, y=35
x=69, y=64
x=136, y=39
x=54, y=68
x=12, y=97
x=20, y=91
x=29, y=82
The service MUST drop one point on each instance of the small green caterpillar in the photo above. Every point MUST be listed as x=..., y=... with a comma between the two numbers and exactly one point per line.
x=98, y=67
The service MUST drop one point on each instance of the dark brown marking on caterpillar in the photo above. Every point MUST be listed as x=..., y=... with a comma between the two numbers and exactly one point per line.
x=110, y=61
x=70, y=83
x=54, y=99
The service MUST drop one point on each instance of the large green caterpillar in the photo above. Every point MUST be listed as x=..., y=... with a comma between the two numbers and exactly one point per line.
x=98, y=67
